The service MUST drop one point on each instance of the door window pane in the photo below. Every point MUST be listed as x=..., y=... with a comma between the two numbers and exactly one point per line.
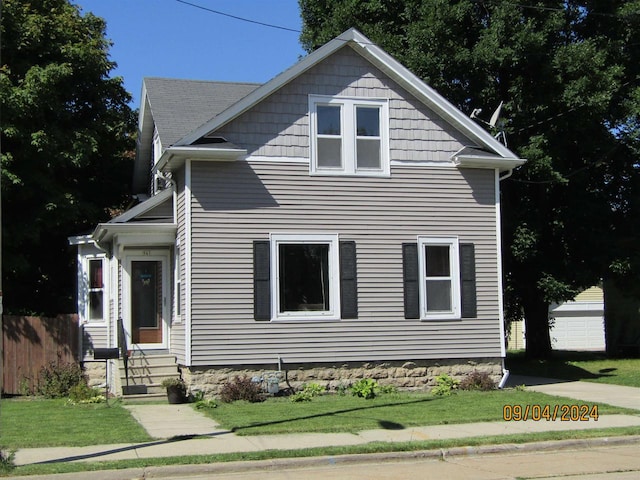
x=303, y=277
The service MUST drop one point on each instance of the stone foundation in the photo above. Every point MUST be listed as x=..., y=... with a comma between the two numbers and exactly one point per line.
x=95, y=373
x=409, y=375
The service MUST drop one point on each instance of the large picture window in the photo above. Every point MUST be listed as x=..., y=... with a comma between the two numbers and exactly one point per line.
x=349, y=136
x=305, y=276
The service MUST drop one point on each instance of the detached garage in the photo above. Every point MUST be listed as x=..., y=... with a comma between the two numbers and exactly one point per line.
x=579, y=325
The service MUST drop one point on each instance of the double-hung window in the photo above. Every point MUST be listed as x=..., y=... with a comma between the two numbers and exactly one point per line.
x=438, y=261
x=439, y=276
x=349, y=136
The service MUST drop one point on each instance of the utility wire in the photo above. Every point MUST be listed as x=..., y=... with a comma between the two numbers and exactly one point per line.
x=556, y=9
x=217, y=12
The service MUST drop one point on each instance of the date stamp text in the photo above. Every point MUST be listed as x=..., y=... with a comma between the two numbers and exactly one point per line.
x=550, y=413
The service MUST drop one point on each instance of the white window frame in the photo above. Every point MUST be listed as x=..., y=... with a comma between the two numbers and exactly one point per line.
x=333, y=313
x=86, y=311
x=349, y=135
x=454, y=269
x=177, y=285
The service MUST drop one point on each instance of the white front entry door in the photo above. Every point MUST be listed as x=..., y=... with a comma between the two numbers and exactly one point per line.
x=146, y=299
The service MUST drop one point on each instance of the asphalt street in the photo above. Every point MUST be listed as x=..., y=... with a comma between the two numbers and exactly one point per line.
x=620, y=462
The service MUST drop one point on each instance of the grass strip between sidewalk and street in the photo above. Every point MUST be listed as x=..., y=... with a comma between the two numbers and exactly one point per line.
x=375, y=447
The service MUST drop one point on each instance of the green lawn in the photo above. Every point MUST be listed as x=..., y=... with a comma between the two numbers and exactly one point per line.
x=49, y=423
x=591, y=367
x=334, y=413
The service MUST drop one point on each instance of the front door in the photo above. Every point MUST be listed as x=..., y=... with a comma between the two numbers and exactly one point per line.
x=147, y=305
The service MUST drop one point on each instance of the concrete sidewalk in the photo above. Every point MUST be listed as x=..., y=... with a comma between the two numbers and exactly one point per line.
x=617, y=395
x=181, y=430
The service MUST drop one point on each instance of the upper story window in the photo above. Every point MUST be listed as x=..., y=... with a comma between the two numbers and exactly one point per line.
x=349, y=136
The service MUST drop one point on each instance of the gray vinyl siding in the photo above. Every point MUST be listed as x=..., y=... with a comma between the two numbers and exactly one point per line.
x=234, y=204
x=94, y=336
x=279, y=125
x=178, y=328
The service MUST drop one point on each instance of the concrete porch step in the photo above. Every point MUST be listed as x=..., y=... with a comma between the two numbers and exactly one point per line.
x=146, y=371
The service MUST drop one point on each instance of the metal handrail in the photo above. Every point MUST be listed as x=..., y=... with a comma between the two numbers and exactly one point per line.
x=124, y=351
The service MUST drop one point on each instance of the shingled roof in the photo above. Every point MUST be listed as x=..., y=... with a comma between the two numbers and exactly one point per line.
x=176, y=108
x=181, y=106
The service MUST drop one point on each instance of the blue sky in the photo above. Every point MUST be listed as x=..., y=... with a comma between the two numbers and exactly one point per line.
x=167, y=38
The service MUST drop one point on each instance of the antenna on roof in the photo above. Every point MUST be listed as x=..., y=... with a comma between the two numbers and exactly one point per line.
x=493, y=122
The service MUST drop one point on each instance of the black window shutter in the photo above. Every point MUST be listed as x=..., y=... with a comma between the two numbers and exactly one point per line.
x=411, y=282
x=262, y=280
x=468, y=280
x=348, y=280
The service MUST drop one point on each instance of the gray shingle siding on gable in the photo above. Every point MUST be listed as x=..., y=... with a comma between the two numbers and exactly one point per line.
x=181, y=106
x=279, y=125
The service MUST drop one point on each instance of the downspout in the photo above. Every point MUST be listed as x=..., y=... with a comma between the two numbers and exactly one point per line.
x=507, y=175
x=505, y=376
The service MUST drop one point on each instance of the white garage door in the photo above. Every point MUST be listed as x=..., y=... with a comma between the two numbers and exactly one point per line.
x=578, y=326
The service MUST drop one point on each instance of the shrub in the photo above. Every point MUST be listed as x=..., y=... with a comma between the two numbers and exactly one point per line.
x=342, y=389
x=388, y=389
x=241, y=388
x=205, y=403
x=56, y=379
x=477, y=381
x=82, y=393
x=445, y=385
x=364, y=388
x=308, y=392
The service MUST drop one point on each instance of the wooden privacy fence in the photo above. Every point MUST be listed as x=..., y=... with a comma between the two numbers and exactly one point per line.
x=29, y=343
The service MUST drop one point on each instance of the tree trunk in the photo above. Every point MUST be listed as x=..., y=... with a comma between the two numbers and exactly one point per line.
x=536, y=320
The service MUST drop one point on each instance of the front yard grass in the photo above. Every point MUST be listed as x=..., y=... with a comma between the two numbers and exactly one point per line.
x=588, y=366
x=29, y=422
x=335, y=413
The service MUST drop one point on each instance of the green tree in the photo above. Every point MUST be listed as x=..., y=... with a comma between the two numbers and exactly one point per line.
x=66, y=133
x=568, y=73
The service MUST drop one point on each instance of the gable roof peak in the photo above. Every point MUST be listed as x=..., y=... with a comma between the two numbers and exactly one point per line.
x=379, y=58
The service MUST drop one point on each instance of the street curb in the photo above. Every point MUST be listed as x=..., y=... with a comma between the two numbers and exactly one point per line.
x=442, y=454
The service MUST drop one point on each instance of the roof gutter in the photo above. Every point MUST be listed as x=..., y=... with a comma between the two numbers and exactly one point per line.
x=489, y=161
x=175, y=155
